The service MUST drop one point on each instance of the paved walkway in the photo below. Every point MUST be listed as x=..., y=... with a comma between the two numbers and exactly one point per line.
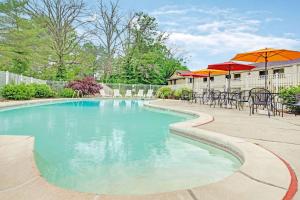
x=21, y=180
x=280, y=135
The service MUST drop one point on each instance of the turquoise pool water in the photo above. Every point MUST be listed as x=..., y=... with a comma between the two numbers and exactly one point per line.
x=115, y=147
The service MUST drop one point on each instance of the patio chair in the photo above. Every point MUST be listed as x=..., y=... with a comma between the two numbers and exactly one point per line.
x=128, y=93
x=243, y=98
x=196, y=97
x=186, y=96
x=202, y=97
x=297, y=104
x=223, y=99
x=260, y=98
x=116, y=93
x=214, y=98
x=238, y=98
x=140, y=94
x=103, y=94
x=149, y=94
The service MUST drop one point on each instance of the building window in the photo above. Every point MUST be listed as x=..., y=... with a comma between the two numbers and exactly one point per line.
x=174, y=82
x=278, y=71
x=204, y=80
x=212, y=78
x=237, y=76
x=190, y=80
x=262, y=74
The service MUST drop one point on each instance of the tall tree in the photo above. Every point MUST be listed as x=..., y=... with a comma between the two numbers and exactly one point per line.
x=146, y=58
x=62, y=18
x=108, y=29
x=22, y=39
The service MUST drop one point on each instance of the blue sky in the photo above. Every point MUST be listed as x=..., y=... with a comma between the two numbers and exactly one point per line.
x=212, y=31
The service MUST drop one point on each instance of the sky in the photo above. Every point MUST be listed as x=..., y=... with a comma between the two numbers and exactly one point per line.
x=213, y=31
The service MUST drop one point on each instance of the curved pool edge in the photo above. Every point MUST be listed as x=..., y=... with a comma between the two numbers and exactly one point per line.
x=262, y=173
x=258, y=163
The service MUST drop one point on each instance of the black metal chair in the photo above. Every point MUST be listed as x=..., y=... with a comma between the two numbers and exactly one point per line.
x=260, y=98
x=297, y=104
x=291, y=103
x=223, y=100
x=243, y=98
x=187, y=96
x=203, y=97
x=214, y=98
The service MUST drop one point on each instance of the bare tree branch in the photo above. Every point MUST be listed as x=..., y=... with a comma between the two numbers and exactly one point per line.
x=62, y=18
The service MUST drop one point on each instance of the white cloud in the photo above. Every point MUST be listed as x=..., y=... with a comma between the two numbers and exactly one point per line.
x=215, y=34
x=273, y=19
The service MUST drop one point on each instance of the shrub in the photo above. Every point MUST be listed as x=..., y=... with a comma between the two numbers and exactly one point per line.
x=164, y=92
x=42, y=91
x=18, y=92
x=66, y=93
x=179, y=92
x=86, y=86
x=288, y=96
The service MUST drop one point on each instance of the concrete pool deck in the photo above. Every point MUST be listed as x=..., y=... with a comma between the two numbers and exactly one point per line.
x=263, y=175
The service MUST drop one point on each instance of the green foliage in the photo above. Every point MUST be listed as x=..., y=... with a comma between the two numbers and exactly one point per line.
x=179, y=93
x=23, y=40
x=164, y=92
x=288, y=96
x=66, y=93
x=27, y=47
x=42, y=91
x=18, y=92
x=146, y=60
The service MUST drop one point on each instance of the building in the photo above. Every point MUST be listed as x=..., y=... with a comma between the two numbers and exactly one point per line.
x=280, y=75
x=177, y=79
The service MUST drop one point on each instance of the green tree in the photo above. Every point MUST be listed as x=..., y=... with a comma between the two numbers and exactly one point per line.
x=23, y=39
x=146, y=58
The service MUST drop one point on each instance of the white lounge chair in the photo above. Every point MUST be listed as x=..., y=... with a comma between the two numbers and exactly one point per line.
x=117, y=93
x=103, y=94
x=128, y=93
x=140, y=94
x=149, y=94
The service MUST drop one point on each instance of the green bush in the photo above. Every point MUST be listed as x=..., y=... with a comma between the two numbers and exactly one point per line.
x=288, y=96
x=164, y=92
x=42, y=91
x=182, y=91
x=18, y=92
x=66, y=93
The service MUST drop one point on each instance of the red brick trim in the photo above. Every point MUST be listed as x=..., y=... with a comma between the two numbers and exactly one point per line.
x=293, y=187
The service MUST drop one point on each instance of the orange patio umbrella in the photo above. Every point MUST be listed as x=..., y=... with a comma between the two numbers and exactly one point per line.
x=209, y=73
x=193, y=75
x=267, y=55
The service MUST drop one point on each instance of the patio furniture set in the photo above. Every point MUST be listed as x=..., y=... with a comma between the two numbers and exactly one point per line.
x=256, y=99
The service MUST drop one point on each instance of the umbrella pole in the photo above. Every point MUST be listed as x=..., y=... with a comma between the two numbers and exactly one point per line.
x=209, y=82
x=266, y=72
x=193, y=84
x=228, y=89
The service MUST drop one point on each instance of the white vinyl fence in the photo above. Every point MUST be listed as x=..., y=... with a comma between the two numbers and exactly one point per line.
x=8, y=78
x=275, y=82
x=11, y=78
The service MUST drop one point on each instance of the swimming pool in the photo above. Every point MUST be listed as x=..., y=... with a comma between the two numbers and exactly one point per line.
x=115, y=147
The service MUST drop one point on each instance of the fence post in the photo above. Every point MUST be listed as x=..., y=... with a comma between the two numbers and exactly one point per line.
x=31, y=80
x=276, y=82
x=6, y=77
x=21, y=78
